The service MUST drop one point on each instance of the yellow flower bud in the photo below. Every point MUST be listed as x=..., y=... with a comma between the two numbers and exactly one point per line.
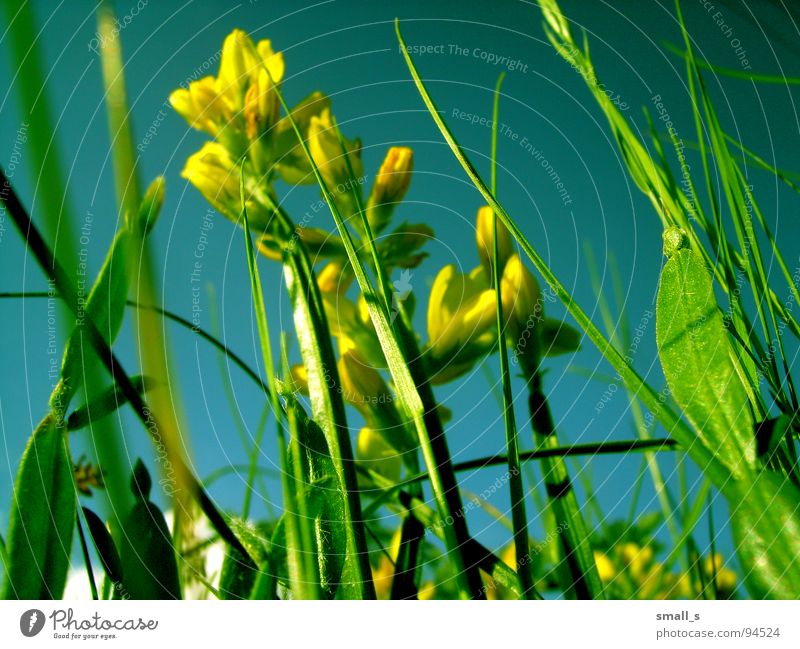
x=362, y=385
x=427, y=591
x=212, y=171
x=335, y=277
x=520, y=292
x=351, y=330
x=484, y=223
x=150, y=207
x=391, y=184
x=238, y=64
x=323, y=142
x=290, y=159
x=299, y=379
x=461, y=312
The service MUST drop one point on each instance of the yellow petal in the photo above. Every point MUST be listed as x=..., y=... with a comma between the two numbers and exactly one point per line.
x=485, y=241
x=238, y=63
x=376, y=454
x=273, y=60
x=390, y=186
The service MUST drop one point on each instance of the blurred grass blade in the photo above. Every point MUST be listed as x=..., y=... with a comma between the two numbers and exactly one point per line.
x=123, y=157
x=34, y=94
x=637, y=386
x=696, y=357
x=42, y=517
x=154, y=351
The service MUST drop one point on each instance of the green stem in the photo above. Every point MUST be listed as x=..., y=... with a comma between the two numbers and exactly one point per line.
x=516, y=487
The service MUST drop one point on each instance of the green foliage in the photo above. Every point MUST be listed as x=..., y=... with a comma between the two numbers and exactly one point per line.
x=42, y=518
x=147, y=556
x=765, y=519
x=698, y=361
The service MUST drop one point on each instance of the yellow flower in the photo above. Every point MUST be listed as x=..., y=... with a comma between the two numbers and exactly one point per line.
x=523, y=310
x=605, y=567
x=290, y=159
x=383, y=573
x=201, y=106
x=352, y=326
x=461, y=319
x=390, y=186
x=376, y=454
x=335, y=277
x=725, y=577
x=427, y=591
x=520, y=292
x=212, y=171
x=261, y=106
x=485, y=240
x=240, y=65
x=323, y=142
x=362, y=385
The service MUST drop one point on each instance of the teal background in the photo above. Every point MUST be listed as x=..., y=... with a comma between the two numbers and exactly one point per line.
x=349, y=51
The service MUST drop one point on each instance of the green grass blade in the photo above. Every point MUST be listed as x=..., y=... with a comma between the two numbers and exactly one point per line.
x=42, y=518
x=516, y=487
x=305, y=583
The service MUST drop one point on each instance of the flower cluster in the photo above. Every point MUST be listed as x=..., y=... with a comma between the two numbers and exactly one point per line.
x=631, y=572
x=254, y=145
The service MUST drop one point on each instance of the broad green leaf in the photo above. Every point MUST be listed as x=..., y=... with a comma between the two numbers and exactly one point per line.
x=765, y=521
x=697, y=359
x=149, y=566
x=42, y=518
